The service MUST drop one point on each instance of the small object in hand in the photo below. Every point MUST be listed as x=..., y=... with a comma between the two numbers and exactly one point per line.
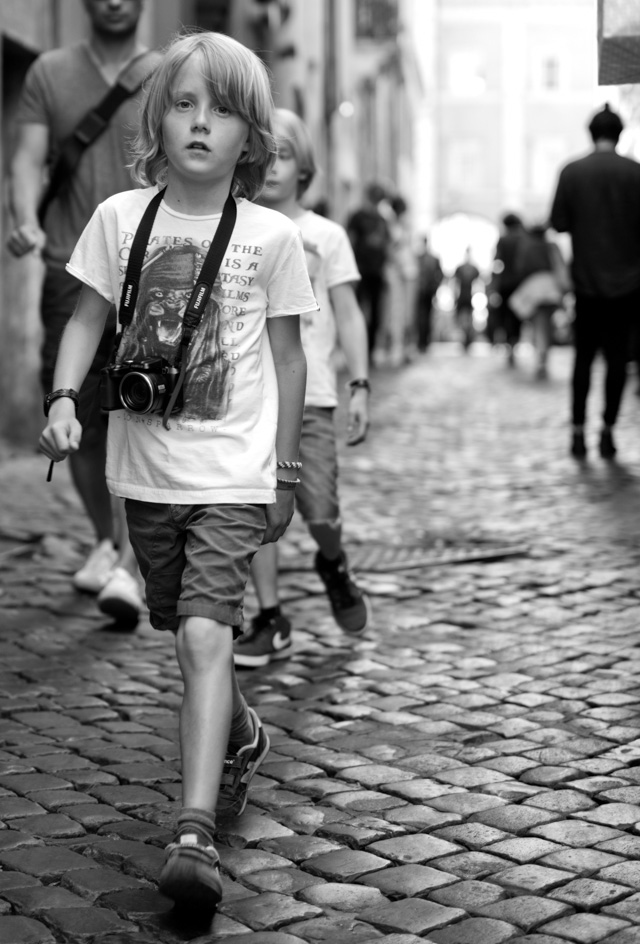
x=50, y=472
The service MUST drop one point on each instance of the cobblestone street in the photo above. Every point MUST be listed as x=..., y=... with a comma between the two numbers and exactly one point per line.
x=468, y=772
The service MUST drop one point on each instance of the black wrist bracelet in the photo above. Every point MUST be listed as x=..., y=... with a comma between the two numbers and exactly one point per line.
x=56, y=395
x=287, y=485
x=360, y=382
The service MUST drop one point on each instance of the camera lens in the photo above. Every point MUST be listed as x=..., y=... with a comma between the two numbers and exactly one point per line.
x=138, y=393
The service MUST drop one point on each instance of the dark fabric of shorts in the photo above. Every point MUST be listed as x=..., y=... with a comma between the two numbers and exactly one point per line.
x=195, y=558
x=317, y=494
x=60, y=293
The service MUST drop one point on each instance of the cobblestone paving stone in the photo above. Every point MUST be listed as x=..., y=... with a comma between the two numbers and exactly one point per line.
x=467, y=772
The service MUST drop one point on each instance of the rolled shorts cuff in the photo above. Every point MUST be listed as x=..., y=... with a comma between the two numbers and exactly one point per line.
x=220, y=612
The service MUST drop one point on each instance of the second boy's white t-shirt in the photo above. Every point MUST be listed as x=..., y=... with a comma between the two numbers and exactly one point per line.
x=331, y=262
x=221, y=447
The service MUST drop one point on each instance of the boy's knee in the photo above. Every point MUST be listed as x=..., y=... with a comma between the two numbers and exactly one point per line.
x=202, y=642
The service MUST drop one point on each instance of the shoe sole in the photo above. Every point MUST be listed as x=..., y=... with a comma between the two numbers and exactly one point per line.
x=126, y=614
x=254, y=662
x=183, y=880
x=254, y=770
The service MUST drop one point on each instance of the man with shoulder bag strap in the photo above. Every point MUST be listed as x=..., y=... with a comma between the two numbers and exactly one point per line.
x=77, y=112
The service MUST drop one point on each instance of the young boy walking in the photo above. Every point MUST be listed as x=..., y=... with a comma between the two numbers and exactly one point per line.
x=200, y=482
x=339, y=320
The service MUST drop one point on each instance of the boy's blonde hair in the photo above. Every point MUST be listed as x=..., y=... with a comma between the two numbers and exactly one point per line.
x=291, y=128
x=238, y=80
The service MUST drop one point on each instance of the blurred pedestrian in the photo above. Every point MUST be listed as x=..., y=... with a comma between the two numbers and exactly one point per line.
x=339, y=320
x=430, y=277
x=202, y=490
x=402, y=275
x=504, y=280
x=543, y=283
x=56, y=116
x=597, y=201
x=370, y=237
x=465, y=278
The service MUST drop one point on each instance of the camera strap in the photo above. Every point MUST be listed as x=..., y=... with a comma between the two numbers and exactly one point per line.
x=93, y=124
x=201, y=290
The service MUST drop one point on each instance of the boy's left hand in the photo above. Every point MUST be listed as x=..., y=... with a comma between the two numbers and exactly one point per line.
x=279, y=515
x=358, y=417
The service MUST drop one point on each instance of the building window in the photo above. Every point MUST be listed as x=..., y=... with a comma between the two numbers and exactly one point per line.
x=466, y=73
x=376, y=19
x=465, y=165
x=548, y=72
x=551, y=73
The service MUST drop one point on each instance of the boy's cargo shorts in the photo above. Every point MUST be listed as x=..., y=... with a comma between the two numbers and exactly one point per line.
x=195, y=558
x=317, y=494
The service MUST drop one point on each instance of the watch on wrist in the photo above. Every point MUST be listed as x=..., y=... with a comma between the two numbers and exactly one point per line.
x=56, y=395
x=359, y=383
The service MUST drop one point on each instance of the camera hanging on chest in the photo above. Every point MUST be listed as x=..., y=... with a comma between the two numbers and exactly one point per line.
x=154, y=384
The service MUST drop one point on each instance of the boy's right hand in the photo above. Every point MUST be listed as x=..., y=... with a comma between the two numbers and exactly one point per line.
x=63, y=432
x=26, y=238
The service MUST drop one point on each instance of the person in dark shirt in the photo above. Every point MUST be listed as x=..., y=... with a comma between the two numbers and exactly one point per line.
x=505, y=280
x=430, y=277
x=370, y=237
x=464, y=278
x=597, y=201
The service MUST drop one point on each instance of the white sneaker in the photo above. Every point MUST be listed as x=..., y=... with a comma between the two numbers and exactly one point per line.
x=121, y=597
x=95, y=573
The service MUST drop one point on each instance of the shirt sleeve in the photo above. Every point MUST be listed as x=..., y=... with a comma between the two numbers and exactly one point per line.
x=90, y=259
x=289, y=291
x=340, y=262
x=34, y=102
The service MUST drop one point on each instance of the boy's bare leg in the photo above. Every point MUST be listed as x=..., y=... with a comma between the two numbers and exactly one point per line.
x=264, y=573
x=328, y=537
x=205, y=655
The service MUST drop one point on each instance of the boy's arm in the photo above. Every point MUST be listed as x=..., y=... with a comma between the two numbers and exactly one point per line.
x=352, y=335
x=291, y=374
x=77, y=349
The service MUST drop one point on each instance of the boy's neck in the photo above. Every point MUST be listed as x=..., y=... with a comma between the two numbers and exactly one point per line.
x=290, y=208
x=195, y=200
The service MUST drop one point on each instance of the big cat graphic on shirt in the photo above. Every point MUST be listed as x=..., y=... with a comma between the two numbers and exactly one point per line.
x=166, y=284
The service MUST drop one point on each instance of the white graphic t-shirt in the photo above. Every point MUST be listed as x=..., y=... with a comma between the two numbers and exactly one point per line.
x=221, y=447
x=331, y=262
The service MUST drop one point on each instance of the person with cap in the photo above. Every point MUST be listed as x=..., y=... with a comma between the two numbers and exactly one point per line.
x=597, y=201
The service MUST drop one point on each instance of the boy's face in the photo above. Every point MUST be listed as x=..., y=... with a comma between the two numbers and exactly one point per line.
x=203, y=140
x=282, y=182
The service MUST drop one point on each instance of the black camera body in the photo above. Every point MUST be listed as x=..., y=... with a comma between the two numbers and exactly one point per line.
x=143, y=386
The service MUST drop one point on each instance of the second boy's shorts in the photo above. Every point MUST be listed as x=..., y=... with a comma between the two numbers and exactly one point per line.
x=317, y=494
x=60, y=294
x=195, y=558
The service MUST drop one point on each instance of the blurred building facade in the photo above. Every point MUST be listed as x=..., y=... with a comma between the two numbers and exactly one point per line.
x=509, y=88
x=346, y=66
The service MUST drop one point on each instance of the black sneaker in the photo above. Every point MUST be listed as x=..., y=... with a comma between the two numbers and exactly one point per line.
x=239, y=769
x=348, y=604
x=607, y=445
x=191, y=874
x=578, y=445
x=262, y=644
